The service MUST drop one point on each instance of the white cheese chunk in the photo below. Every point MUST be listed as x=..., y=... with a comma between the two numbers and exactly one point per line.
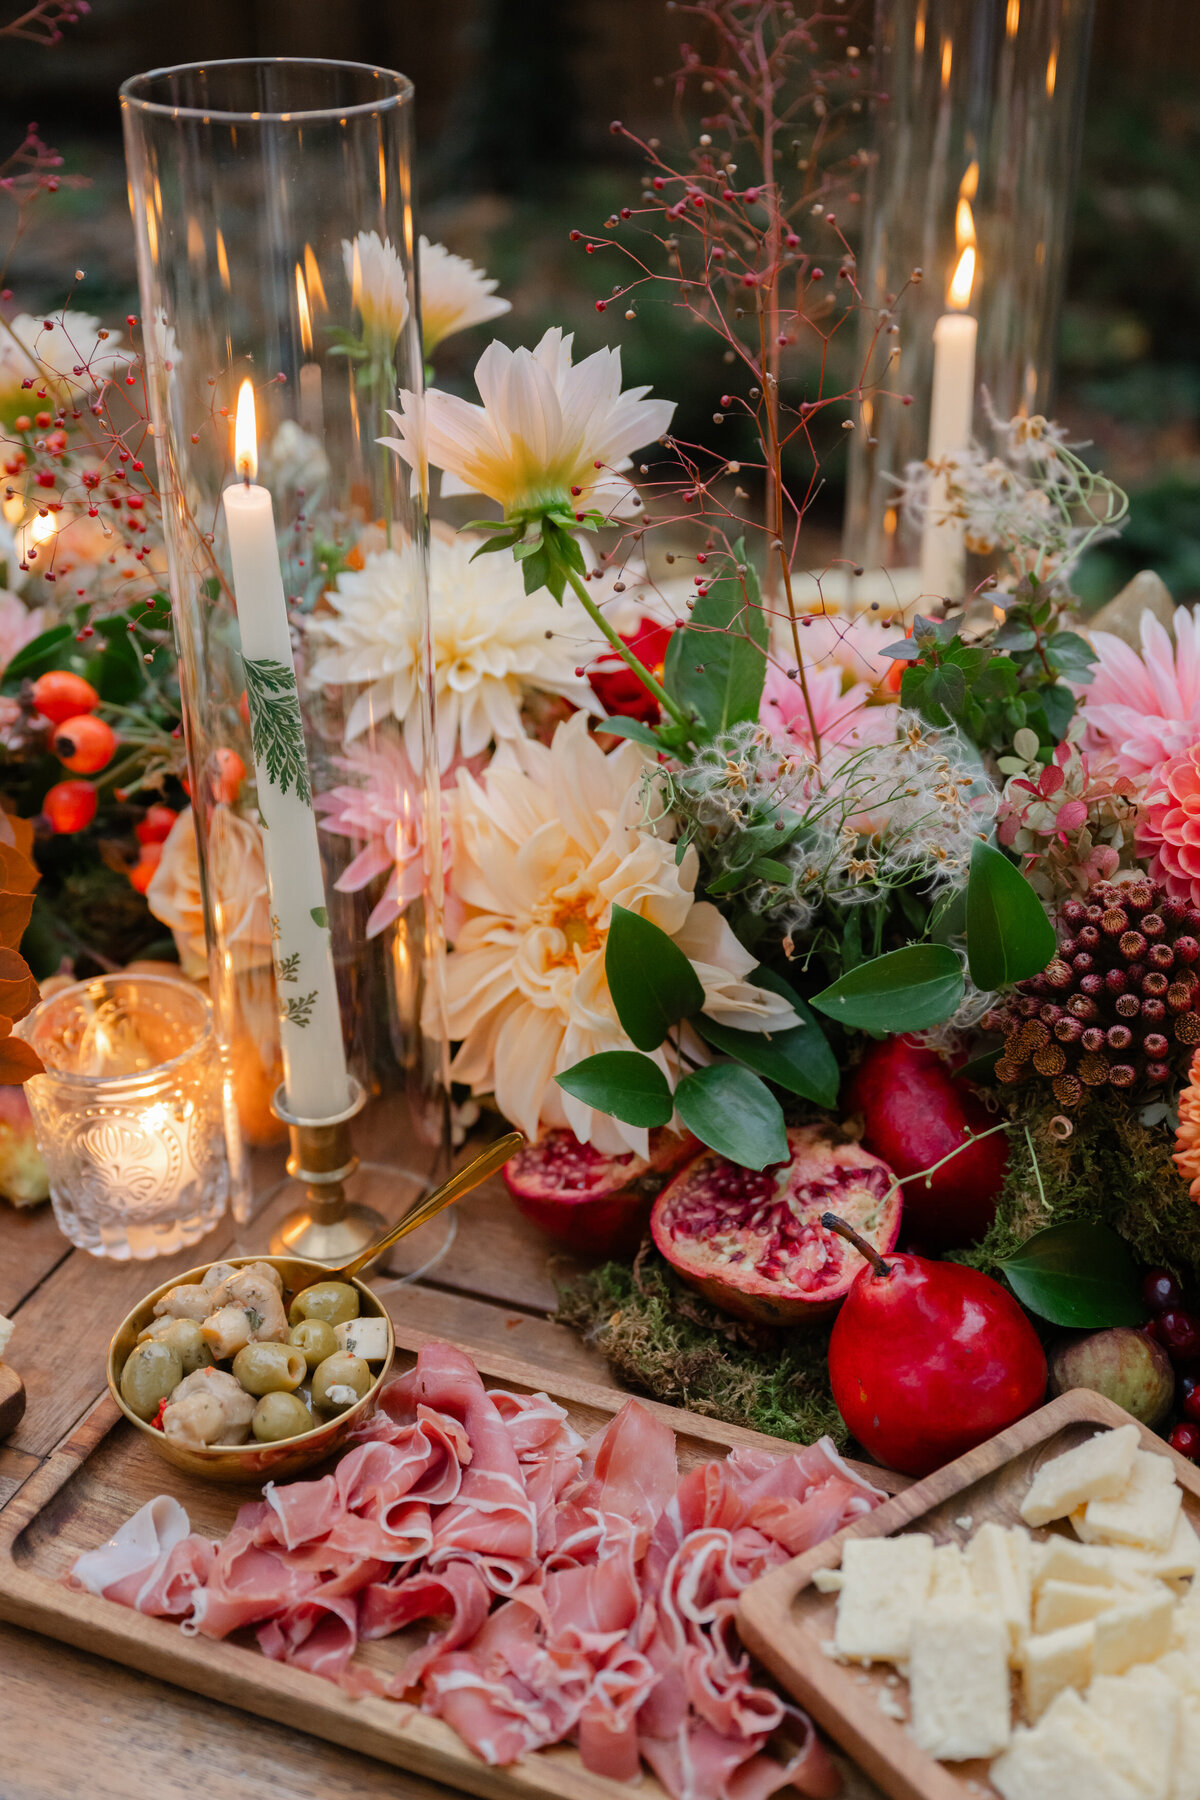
x=1144, y=1513
x=1059, y=1759
x=1058, y=1660
x=1135, y=1632
x=828, y=1581
x=951, y=1576
x=1138, y=1716
x=958, y=1681
x=1062, y=1559
x=1181, y=1558
x=6, y=1330
x=1000, y=1562
x=1186, y=1784
x=1062, y=1603
x=1182, y=1670
x=885, y=1582
x=1095, y=1469
x=367, y=1338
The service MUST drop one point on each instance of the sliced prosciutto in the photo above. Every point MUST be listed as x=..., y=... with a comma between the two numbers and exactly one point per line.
x=556, y=1590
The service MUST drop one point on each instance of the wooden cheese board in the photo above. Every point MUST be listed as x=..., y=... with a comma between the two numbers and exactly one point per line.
x=103, y=1472
x=785, y=1620
x=12, y=1399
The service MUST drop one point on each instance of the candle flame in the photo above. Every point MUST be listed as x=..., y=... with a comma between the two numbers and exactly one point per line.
x=947, y=61
x=41, y=530
x=245, y=434
x=1051, y=71
x=968, y=187
x=964, y=225
x=312, y=275
x=306, y=336
x=958, y=294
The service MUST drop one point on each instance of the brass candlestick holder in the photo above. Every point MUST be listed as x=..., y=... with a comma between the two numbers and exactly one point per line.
x=329, y=1228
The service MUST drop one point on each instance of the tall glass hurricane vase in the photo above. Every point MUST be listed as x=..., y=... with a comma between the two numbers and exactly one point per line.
x=273, y=207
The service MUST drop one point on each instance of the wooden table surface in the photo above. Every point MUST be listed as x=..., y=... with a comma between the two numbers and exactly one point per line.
x=74, y=1723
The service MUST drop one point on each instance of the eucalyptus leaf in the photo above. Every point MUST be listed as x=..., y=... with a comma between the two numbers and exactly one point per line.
x=716, y=667
x=734, y=1113
x=903, y=990
x=1009, y=936
x=623, y=1083
x=630, y=728
x=652, y=983
x=1079, y=1275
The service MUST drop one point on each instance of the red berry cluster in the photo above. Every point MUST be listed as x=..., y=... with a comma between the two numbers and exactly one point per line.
x=1118, y=1006
x=1178, y=1331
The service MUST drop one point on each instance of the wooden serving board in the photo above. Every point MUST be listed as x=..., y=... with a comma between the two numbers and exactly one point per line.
x=104, y=1471
x=785, y=1620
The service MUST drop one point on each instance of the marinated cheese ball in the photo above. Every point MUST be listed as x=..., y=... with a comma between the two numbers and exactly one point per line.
x=340, y=1381
x=270, y=1368
x=279, y=1415
x=152, y=1372
x=316, y=1338
x=332, y=1301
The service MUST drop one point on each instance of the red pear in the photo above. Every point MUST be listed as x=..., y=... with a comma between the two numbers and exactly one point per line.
x=928, y=1359
x=915, y=1112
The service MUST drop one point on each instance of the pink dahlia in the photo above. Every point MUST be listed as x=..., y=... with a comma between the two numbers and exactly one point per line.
x=1168, y=832
x=1144, y=709
x=382, y=809
x=842, y=719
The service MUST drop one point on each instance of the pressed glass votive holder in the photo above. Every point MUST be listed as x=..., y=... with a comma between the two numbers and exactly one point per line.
x=130, y=1114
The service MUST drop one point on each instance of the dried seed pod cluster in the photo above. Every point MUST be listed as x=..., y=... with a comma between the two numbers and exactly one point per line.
x=1119, y=1005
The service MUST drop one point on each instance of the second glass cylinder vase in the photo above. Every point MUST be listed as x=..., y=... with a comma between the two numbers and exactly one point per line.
x=273, y=208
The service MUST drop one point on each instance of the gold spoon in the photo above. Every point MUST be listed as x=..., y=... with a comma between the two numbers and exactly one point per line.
x=468, y=1177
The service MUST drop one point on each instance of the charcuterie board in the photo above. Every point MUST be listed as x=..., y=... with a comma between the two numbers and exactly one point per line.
x=787, y=1621
x=103, y=1472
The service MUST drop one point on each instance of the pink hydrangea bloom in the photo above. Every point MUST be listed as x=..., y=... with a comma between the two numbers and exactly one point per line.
x=1141, y=710
x=1168, y=831
x=841, y=719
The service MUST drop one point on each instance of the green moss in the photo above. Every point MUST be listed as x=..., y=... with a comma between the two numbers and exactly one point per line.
x=1111, y=1168
x=664, y=1340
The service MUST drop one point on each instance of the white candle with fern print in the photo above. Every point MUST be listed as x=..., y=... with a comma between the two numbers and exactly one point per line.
x=314, y=1058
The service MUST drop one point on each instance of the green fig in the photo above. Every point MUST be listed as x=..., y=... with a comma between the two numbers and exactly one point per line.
x=1122, y=1364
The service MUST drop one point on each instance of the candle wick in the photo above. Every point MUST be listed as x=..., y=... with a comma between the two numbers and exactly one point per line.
x=246, y=475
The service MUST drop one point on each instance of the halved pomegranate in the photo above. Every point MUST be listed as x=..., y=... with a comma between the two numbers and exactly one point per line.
x=596, y=1203
x=752, y=1241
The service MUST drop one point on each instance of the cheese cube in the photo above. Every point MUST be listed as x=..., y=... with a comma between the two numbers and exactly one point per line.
x=886, y=1582
x=1186, y=1785
x=1062, y=1603
x=1183, y=1672
x=958, y=1682
x=1095, y=1469
x=1181, y=1558
x=6, y=1330
x=367, y=1338
x=1135, y=1632
x=951, y=1576
x=1058, y=1660
x=1144, y=1513
x=1062, y=1559
x=1001, y=1569
x=828, y=1581
x=1059, y=1759
x=1138, y=1716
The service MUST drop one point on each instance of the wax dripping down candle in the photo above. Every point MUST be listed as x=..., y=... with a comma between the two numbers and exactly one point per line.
x=952, y=409
x=314, y=1060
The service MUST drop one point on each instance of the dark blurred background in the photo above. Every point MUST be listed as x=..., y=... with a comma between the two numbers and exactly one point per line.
x=514, y=102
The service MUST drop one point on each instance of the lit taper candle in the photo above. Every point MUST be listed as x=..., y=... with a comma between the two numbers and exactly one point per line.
x=951, y=414
x=314, y=1059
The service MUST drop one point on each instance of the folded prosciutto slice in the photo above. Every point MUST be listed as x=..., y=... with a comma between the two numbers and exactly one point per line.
x=569, y=1591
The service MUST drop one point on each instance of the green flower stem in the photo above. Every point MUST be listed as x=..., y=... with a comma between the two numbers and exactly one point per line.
x=648, y=681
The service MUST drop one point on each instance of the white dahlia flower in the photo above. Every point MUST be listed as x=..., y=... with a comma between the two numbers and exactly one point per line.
x=378, y=290
x=454, y=295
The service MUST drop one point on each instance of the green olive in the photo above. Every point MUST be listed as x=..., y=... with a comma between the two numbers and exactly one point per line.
x=333, y=1301
x=185, y=1338
x=280, y=1415
x=152, y=1372
x=316, y=1339
x=340, y=1381
x=270, y=1368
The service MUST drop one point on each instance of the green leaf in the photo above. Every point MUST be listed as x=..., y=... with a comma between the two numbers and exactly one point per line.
x=1058, y=705
x=44, y=652
x=630, y=728
x=319, y=916
x=717, y=666
x=276, y=727
x=652, y=983
x=798, y=1059
x=622, y=1083
x=1078, y=1275
x=731, y=1111
x=904, y=990
x=1070, y=654
x=1009, y=936
x=116, y=672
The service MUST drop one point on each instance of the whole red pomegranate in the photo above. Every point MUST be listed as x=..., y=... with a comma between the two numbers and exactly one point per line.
x=752, y=1241
x=915, y=1112
x=928, y=1359
x=593, y=1202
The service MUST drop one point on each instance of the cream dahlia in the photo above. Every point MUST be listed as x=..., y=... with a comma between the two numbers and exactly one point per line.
x=378, y=290
x=545, y=844
x=492, y=643
x=550, y=432
x=237, y=884
x=454, y=295
x=70, y=348
x=1142, y=710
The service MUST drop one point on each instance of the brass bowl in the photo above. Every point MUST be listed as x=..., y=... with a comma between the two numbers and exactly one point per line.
x=252, y=1462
